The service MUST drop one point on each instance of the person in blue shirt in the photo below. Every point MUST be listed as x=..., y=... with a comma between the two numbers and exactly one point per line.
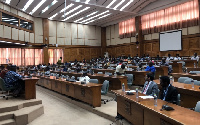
x=151, y=68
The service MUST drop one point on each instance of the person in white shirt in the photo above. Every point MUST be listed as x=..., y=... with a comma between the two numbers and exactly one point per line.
x=195, y=57
x=120, y=69
x=177, y=57
x=169, y=57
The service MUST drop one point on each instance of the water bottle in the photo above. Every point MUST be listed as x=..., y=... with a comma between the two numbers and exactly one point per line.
x=186, y=70
x=171, y=80
x=192, y=82
x=194, y=65
x=155, y=100
x=123, y=87
x=136, y=92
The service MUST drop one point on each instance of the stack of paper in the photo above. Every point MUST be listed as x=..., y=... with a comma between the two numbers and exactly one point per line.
x=146, y=97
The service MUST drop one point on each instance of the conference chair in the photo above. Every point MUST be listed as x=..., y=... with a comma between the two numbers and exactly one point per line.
x=178, y=101
x=187, y=81
x=182, y=79
x=197, y=72
x=4, y=88
x=108, y=73
x=197, y=108
x=73, y=78
x=129, y=80
x=197, y=82
x=99, y=72
x=94, y=81
x=104, y=90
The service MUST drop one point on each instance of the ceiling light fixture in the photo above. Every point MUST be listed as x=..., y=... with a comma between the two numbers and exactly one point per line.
x=72, y=10
x=27, y=5
x=2, y=41
x=38, y=6
x=17, y=43
x=118, y=4
x=86, y=16
x=76, y=13
x=61, y=11
x=87, y=1
x=8, y=1
x=94, y=16
x=54, y=2
x=67, y=7
x=105, y=16
x=8, y=42
x=126, y=5
x=78, y=20
x=111, y=3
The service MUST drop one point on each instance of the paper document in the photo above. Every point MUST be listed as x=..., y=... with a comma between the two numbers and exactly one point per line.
x=146, y=97
x=131, y=91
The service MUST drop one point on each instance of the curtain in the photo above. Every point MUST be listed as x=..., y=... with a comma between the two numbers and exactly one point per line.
x=127, y=28
x=14, y=54
x=180, y=16
x=23, y=57
x=3, y=57
x=54, y=55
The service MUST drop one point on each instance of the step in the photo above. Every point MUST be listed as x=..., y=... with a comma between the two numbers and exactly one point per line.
x=6, y=115
x=28, y=114
x=8, y=122
x=27, y=103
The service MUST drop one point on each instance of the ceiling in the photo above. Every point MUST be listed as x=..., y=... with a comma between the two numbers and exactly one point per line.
x=92, y=12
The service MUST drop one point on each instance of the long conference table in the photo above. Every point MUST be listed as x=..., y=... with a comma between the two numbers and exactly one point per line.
x=193, y=76
x=115, y=82
x=143, y=112
x=89, y=93
x=189, y=96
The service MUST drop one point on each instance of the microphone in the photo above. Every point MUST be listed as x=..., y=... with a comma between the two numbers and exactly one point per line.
x=166, y=107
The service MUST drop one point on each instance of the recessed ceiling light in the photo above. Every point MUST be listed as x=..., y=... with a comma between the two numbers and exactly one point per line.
x=38, y=6
x=67, y=7
x=8, y=1
x=72, y=10
x=76, y=13
x=104, y=15
x=87, y=1
x=17, y=43
x=8, y=42
x=2, y=41
x=78, y=20
x=92, y=13
x=27, y=5
x=94, y=16
x=23, y=44
x=126, y=5
x=90, y=21
x=111, y=3
x=53, y=16
x=118, y=4
x=54, y=2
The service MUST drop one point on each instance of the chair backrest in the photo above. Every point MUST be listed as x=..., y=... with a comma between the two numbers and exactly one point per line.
x=104, y=88
x=130, y=78
x=99, y=72
x=93, y=80
x=178, y=101
x=73, y=77
x=197, y=72
x=187, y=81
x=108, y=73
x=182, y=79
x=197, y=82
x=197, y=108
x=2, y=84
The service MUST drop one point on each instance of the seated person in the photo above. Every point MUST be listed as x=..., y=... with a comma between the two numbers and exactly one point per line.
x=177, y=57
x=168, y=92
x=140, y=67
x=78, y=67
x=169, y=57
x=151, y=68
x=13, y=79
x=195, y=57
x=120, y=69
x=163, y=62
x=150, y=87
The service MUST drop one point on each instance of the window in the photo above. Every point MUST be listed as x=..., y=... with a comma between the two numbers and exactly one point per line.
x=10, y=19
x=26, y=25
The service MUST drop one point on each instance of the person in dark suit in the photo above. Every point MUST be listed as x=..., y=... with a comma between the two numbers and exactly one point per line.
x=150, y=87
x=168, y=92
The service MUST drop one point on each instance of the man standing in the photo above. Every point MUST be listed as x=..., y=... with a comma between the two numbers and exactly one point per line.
x=150, y=87
x=168, y=92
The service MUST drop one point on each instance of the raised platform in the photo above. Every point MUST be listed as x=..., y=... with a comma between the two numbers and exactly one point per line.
x=17, y=111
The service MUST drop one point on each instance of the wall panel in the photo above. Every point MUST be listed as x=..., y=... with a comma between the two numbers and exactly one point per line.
x=1, y=31
x=26, y=36
x=52, y=28
x=7, y=32
x=14, y=34
x=32, y=38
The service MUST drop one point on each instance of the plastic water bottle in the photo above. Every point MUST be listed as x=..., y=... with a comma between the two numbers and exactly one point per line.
x=155, y=100
x=123, y=87
x=192, y=82
x=194, y=65
x=186, y=70
x=171, y=80
x=136, y=92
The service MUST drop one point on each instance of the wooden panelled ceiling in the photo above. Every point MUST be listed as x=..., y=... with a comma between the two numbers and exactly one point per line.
x=92, y=12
